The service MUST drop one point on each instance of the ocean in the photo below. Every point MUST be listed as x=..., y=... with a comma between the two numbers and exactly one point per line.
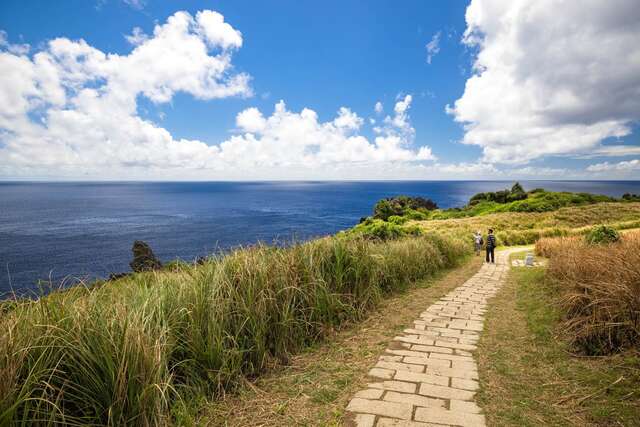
x=65, y=232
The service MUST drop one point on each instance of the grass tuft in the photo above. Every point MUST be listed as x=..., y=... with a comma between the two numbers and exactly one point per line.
x=599, y=291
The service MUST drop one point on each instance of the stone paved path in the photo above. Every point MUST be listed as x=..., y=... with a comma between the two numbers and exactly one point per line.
x=429, y=376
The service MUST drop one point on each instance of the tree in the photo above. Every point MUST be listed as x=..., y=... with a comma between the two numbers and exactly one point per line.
x=517, y=193
x=401, y=205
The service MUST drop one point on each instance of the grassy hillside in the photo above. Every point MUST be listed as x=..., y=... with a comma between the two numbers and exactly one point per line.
x=514, y=228
x=517, y=200
x=518, y=217
x=139, y=350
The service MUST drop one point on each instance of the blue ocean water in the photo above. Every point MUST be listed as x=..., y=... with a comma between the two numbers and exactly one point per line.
x=85, y=230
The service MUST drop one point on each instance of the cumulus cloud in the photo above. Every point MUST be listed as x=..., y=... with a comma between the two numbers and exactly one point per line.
x=550, y=77
x=15, y=48
x=72, y=107
x=72, y=110
x=217, y=32
x=137, y=37
x=300, y=139
x=378, y=107
x=433, y=47
x=251, y=120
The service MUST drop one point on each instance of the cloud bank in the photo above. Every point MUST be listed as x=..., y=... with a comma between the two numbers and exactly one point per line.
x=550, y=77
x=72, y=110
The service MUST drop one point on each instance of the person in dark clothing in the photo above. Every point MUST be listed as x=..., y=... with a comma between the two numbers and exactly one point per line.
x=491, y=244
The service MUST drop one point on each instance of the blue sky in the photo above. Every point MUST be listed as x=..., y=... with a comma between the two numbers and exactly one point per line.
x=525, y=110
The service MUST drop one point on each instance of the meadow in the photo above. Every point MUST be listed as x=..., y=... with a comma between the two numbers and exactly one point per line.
x=138, y=350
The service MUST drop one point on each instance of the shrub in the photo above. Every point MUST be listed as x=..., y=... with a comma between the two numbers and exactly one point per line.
x=631, y=197
x=415, y=215
x=383, y=230
x=602, y=234
x=398, y=220
x=400, y=205
x=516, y=193
x=503, y=196
x=598, y=291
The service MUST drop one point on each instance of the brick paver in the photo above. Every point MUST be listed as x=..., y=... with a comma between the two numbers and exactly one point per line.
x=429, y=375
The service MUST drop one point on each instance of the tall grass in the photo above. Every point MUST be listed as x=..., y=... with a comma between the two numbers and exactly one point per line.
x=599, y=290
x=128, y=352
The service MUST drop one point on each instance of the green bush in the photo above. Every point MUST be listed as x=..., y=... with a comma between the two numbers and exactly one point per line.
x=400, y=205
x=415, y=215
x=602, y=234
x=398, y=220
x=378, y=229
x=631, y=197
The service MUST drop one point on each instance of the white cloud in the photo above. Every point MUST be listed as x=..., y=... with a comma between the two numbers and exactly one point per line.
x=251, y=120
x=137, y=37
x=551, y=77
x=401, y=118
x=433, y=47
x=16, y=49
x=613, y=151
x=378, y=107
x=290, y=139
x=71, y=110
x=625, y=166
x=424, y=153
x=217, y=32
x=347, y=119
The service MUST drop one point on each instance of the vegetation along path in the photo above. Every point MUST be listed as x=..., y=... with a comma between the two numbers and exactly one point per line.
x=429, y=376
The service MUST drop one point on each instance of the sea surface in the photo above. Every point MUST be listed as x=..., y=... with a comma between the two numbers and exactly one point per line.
x=65, y=232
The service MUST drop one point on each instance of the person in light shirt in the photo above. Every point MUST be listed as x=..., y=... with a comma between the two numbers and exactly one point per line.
x=477, y=242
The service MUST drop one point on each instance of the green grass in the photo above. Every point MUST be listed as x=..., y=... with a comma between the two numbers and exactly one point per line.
x=536, y=201
x=143, y=349
x=314, y=387
x=372, y=228
x=528, y=375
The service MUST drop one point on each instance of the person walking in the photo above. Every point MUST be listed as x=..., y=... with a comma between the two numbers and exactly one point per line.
x=491, y=244
x=478, y=242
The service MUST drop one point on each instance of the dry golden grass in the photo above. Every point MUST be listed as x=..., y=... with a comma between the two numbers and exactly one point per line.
x=599, y=290
x=549, y=245
x=314, y=388
x=520, y=228
x=530, y=378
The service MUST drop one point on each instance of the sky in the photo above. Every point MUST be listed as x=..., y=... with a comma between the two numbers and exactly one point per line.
x=242, y=90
